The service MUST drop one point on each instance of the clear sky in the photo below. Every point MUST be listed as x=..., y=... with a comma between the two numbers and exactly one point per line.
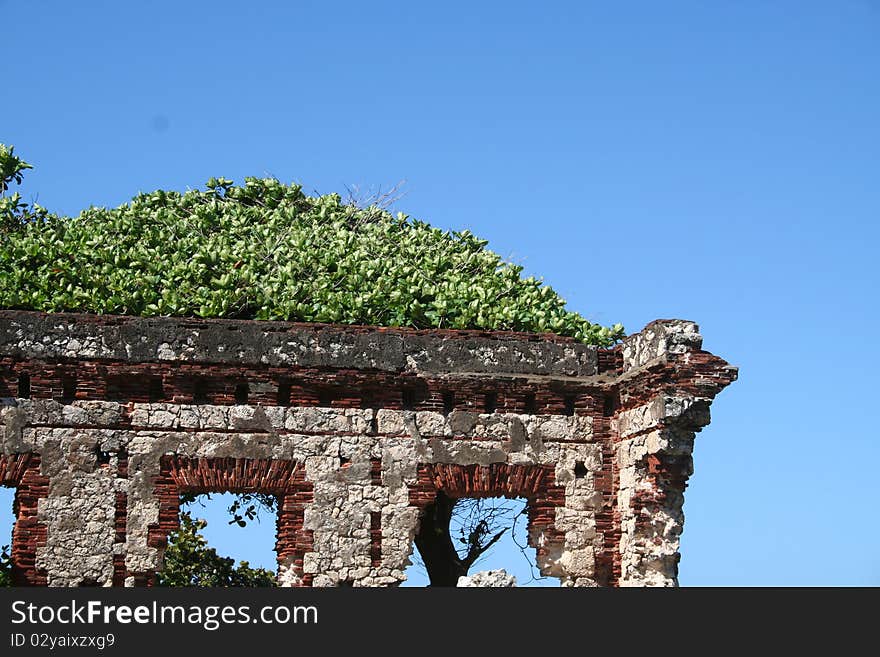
x=714, y=161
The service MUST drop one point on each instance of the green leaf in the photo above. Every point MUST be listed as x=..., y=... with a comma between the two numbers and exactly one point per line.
x=267, y=251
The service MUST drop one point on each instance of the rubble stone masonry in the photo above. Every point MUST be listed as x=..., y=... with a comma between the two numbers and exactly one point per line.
x=105, y=421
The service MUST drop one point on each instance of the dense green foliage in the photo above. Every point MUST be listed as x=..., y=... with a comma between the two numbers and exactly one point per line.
x=13, y=211
x=11, y=167
x=265, y=250
x=190, y=562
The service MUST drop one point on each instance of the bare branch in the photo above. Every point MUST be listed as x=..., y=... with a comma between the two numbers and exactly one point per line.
x=364, y=199
x=477, y=550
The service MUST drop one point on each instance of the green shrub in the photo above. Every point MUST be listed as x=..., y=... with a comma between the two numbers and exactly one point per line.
x=190, y=562
x=265, y=250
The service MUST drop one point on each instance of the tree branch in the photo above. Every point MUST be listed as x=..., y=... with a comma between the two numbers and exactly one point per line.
x=477, y=550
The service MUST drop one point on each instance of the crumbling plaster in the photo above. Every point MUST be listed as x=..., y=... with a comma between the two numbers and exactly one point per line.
x=618, y=459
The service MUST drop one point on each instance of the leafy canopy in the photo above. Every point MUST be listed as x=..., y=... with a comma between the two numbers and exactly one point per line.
x=189, y=561
x=265, y=250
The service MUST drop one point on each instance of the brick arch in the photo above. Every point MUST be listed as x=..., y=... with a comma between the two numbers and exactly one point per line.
x=283, y=479
x=536, y=483
x=22, y=472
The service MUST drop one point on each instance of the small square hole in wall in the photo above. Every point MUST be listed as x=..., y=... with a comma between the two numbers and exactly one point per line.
x=24, y=385
x=212, y=516
x=408, y=399
x=580, y=470
x=156, y=389
x=68, y=388
x=200, y=391
x=325, y=398
x=609, y=405
x=511, y=552
x=448, y=402
x=102, y=457
x=569, y=404
x=530, y=404
x=242, y=390
x=490, y=402
x=284, y=390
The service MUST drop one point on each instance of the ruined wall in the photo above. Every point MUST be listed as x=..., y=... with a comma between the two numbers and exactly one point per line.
x=107, y=420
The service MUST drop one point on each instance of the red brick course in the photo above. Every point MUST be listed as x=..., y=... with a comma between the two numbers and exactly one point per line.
x=693, y=374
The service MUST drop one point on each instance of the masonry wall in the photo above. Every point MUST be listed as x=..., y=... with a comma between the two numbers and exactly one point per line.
x=106, y=421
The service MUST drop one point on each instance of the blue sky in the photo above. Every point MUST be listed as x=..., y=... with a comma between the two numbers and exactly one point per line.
x=711, y=161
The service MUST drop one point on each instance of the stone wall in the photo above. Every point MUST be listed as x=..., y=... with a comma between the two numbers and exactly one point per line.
x=106, y=421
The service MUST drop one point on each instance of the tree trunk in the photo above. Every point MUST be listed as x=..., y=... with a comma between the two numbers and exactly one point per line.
x=435, y=545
